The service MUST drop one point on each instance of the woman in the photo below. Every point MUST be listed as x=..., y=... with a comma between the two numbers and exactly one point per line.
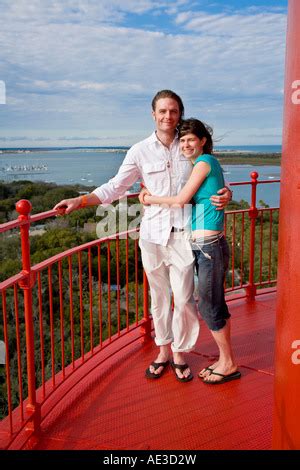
x=208, y=242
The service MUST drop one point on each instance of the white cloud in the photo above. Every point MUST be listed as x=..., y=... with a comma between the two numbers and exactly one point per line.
x=94, y=74
x=233, y=25
x=79, y=11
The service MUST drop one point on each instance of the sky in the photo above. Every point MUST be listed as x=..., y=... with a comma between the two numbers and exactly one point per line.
x=84, y=72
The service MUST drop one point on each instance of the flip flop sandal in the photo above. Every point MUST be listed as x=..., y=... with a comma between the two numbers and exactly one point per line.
x=205, y=368
x=156, y=365
x=181, y=367
x=225, y=378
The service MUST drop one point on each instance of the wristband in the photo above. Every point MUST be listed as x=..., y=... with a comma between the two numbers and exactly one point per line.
x=84, y=201
x=231, y=192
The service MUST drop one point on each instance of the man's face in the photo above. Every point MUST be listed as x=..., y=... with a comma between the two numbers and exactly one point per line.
x=166, y=114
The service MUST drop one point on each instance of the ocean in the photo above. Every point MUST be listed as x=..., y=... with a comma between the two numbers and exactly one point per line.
x=90, y=166
x=250, y=148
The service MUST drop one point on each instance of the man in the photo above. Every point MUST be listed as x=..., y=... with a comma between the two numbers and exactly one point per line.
x=166, y=254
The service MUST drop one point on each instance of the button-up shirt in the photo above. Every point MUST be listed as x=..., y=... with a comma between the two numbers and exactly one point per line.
x=164, y=172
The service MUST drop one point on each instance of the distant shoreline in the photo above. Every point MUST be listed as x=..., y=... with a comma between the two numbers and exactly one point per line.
x=248, y=158
x=225, y=157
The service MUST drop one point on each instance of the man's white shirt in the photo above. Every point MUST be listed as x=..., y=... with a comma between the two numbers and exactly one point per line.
x=164, y=172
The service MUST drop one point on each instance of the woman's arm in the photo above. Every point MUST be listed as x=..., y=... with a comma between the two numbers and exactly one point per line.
x=199, y=173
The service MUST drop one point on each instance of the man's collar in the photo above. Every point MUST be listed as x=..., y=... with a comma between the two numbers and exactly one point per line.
x=154, y=138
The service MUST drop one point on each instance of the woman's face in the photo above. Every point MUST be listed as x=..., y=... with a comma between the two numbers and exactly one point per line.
x=191, y=146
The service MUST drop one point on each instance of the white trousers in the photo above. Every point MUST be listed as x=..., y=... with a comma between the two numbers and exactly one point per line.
x=171, y=269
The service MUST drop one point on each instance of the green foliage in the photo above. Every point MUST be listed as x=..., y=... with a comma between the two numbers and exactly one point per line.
x=90, y=314
x=56, y=240
x=43, y=196
x=265, y=248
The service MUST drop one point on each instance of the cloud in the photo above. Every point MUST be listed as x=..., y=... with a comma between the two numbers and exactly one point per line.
x=14, y=138
x=77, y=66
x=81, y=11
x=233, y=25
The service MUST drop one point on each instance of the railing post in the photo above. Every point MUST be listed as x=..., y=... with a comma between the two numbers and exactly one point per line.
x=23, y=207
x=253, y=213
x=146, y=325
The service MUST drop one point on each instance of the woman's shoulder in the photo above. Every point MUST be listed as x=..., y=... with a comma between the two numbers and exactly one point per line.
x=205, y=157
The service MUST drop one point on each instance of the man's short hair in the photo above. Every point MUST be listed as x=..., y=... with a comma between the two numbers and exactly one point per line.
x=169, y=94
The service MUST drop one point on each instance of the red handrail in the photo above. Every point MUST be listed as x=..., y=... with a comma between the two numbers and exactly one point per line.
x=31, y=277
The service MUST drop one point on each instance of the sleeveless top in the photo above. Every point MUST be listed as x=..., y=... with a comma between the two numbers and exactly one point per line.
x=204, y=214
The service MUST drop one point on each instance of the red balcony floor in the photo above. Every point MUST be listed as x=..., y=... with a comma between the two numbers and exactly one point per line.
x=116, y=407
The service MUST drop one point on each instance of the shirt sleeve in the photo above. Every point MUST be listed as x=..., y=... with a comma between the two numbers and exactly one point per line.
x=116, y=187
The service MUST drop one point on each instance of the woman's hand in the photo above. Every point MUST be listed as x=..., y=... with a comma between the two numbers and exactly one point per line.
x=142, y=195
x=221, y=201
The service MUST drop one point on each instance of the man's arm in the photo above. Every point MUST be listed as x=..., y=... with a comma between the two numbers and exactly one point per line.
x=127, y=175
x=66, y=206
x=221, y=201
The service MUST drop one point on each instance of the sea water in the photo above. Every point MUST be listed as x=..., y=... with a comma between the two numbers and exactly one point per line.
x=92, y=167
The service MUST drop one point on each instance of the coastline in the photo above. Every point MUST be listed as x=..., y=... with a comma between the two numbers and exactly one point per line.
x=226, y=157
x=248, y=158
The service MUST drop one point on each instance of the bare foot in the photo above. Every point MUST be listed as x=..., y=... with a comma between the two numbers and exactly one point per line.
x=179, y=359
x=207, y=370
x=223, y=370
x=162, y=357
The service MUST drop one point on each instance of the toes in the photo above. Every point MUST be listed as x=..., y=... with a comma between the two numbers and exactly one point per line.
x=205, y=376
x=155, y=371
x=203, y=373
x=209, y=379
x=184, y=374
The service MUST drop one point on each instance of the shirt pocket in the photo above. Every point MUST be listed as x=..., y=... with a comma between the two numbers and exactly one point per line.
x=155, y=176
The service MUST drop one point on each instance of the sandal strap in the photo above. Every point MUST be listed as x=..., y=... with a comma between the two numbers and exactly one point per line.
x=180, y=367
x=217, y=373
x=156, y=365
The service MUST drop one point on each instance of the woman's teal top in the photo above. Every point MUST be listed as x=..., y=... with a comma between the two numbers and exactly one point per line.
x=204, y=214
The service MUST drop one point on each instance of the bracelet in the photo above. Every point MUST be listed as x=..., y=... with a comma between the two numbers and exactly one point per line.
x=231, y=192
x=84, y=201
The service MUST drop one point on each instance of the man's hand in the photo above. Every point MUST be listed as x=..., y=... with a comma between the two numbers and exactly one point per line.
x=142, y=195
x=221, y=201
x=66, y=206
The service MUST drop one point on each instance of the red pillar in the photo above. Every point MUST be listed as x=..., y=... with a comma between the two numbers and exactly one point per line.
x=286, y=422
x=253, y=213
x=33, y=408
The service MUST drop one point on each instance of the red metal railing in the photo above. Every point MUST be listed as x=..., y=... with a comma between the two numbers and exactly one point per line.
x=91, y=298
x=251, y=271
